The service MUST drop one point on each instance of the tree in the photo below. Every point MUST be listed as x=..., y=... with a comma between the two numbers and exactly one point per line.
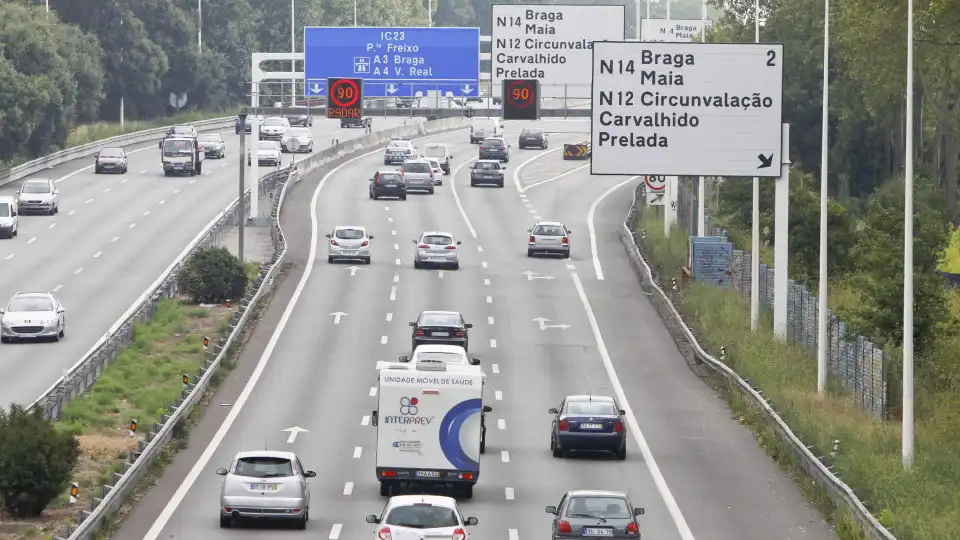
x=36, y=461
x=804, y=232
x=213, y=275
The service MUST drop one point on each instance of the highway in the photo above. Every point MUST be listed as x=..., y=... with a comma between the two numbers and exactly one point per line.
x=114, y=236
x=698, y=473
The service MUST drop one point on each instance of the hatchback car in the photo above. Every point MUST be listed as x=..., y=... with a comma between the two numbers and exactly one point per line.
x=348, y=242
x=549, y=237
x=38, y=196
x=414, y=517
x=437, y=249
x=533, y=138
x=418, y=175
x=398, y=150
x=110, y=159
x=591, y=513
x=32, y=316
x=248, y=123
x=304, y=120
x=437, y=171
x=272, y=128
x=591, y=423
x=487, y=171
x=213, y=145
x=265, y=484
x=440, y=327
x=303, y=138
x=495, y=148
x=387, y=184
x=268, y=153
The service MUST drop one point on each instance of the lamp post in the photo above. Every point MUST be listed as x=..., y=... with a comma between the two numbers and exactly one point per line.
x=755, y=232
x=824, y=164
x=200, y=26
x=907, y=424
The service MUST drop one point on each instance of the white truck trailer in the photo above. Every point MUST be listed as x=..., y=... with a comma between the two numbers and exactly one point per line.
x=430, y=427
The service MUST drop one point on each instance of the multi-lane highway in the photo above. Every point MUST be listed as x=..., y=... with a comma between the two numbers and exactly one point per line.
x=695, y=469
x=114, y=236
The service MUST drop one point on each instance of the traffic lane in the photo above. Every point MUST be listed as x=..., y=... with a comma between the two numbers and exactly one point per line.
x=711, y=461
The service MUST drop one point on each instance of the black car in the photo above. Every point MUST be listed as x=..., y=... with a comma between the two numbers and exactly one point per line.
x=302, y=120
x=365, y=122
x=110, y=159
x=440, y=327
x=588, y=423
x=486, y=171
x=494, y=148
x=388, y=184
x=533, y=138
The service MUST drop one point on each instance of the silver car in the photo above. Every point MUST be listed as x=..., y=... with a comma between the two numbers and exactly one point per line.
x=273, y=128
x=32, y=316
x=549, y=237
x=418, y=175
x=265, y=484
x=591, y=513
x=111, y=159
x=213, y=145
x=437, y=249
x=38, y=196
x=268, y=153
x=297, y=139
x=437, y=171
x=349, y=242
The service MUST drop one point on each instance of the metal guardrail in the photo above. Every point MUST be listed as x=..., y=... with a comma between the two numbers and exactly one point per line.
x=840, y=493
x=137, y=464
x=87, y=150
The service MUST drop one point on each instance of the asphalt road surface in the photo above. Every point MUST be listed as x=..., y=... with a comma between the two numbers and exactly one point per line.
x=115, y=234
x=698, y=473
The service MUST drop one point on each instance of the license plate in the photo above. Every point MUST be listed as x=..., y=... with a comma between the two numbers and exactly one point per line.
x=591, y=531
x=548, y=241
x=263, y=487
x=349, y=252
x=442, y=334
x=428, y=474
x=436, y=259
x=591, y=426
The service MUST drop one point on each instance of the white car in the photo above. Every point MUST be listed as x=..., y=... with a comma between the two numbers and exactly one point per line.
x=436, y=248
x=265, y=484
x=349, y=242
x=38, y=196
x=437, y=171
x=268, y=153
x=32, y=316
x=399, y=149
x=273, y=128
x=415, y=517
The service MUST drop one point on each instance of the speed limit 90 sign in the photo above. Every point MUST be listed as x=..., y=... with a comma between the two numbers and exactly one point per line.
x=521, y=99
x=344, y=98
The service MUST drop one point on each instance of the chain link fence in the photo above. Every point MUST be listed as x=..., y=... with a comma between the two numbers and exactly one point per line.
x=855, y=362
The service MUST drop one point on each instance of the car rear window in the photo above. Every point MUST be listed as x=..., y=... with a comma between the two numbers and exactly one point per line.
x=264, y=467
x=435, y=164
x=531, y=132
x=487, y=166
x=389, y=178
x=298, y=132
x=350, y=234
x=182, y=130
x=422, y=516
x=30, y=304
x=439, y=319
x=590, y=407
x=416, y=168
x=437, y=240
x=4, y=210
x=492, y=143
x=599, y=507
x=549, y=230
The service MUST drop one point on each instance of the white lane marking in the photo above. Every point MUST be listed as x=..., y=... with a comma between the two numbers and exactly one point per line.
x=493, y=344
x=77, y=271
x=365, y=421
x=97, y=254
x=486, y=281
x=498, y=395
x=523, y=196
x=163, y=201
x=532, y=211
x=389, y=317
x=132, y=225
x=513, y=534
x=393, y=293
x=496, y=368
x=194, y=180
x=106, y=190
x=592, y=230
x=335, y=531
x=396, y=246
x=483, y=264
x=383, y=340
x=88, y=201
x=52, y=225
x=480, y=249
x=571, y=267
x=10, y=256
x=527, y=203
x=508, y=491
x=398, y=262
x=57, y=288
x=440, y=274
x=72, y=212
x=396, y=278
x=555, y=178
x=516, y=172
x=124, y=181
x=114, y=239
x=143, y=171
x=373, y=391
x=489, y=320
x=501, y=423
x=537, y=217
x=147, y=213
x=176, y=191
x=187, y=484
x=389, y=220
x=32, y=240
x=489, y=299
x=456, y=198
x=648, y=459
x=348, y=489
x=505, y=456
x=357, y=451
x=393, y=233
x=387, y=208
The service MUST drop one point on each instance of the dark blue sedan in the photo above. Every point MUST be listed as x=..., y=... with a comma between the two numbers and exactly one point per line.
x=591, y=423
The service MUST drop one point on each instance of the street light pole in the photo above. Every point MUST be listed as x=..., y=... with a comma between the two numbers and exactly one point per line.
x=755, y=232
x=200, y=26
x=907, y=424
x=293, y=50
x=824, y=187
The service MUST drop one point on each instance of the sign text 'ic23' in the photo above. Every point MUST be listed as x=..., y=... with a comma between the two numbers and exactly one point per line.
x=344, y=98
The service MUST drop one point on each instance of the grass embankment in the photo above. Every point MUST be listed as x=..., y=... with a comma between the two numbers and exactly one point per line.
x=920, y=505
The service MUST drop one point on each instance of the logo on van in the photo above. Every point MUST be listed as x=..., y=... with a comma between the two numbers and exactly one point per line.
x=408, y=406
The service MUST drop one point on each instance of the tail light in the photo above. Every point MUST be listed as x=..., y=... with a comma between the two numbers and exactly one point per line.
x=460, y=333
x=419, y=333
x=334, y=243
x=451, y=247
x=633, y=528
x=566, y=240
x=423, y=246
x=533, y=239
x=458, y=534
x=563, y=425
x=564, y=527
x=384, y=534
x=365, y=244
x=618, y=426
x=401, y=170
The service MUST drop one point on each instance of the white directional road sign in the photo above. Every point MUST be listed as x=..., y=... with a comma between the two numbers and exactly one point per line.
x=656, y=189
x=687, y=109
x=673, y=30
x=551, y=43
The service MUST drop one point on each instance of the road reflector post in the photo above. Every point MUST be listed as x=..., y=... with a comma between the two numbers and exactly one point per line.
x=206, y=343
x=260, y=270
x=74, y=492
x=133, y=427
x=228, y=302
x=185, y=378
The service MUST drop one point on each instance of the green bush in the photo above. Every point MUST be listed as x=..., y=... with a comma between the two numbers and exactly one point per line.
x=213, y=275
x=36, y=461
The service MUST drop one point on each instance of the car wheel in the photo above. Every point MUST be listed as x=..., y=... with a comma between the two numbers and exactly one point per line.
x=557, y=451
x=566, y=255
x=431, y=191
x=371, y=196
x=96, y=170
x=366, y=260
x=330, y=260
x=456, y=266
x=483, y=441
x=63, y=331
x=124, y=170
x=225, y=522
x=403, y=198
x=622, y=454
x=417, y=264
x=500, y=184
x=529, y=253
x=301, y=524
x=466, y=492
x=473, y=184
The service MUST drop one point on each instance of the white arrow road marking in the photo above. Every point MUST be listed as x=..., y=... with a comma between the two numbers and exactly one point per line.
x=294, y=431
x=348, y=489
x=32, y=240
x=336, y=316
x=544, y=326
x=505, y=456
x=533, y=275
x=335, y=532
x=353, y=270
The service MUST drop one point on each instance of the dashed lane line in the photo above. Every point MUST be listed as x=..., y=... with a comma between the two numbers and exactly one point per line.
x=489, y=299
x=365, y=421
x=383, y=340
x=393, y=293
x=335, y=531
x=493, y=344
x=501, y=423
x=57, y=288
x=357, y=452
x=495, y=368
x=97, y=254
x=389, y=317
x=490, y=320
x=498, y=395
x=504, y=456
x=508, y=491
x=32, y=240
x=78, y=271
x=348, y=489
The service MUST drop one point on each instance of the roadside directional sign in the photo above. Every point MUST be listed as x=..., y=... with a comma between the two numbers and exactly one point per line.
x=674, y=30
x=394, y=62
x=687, y=109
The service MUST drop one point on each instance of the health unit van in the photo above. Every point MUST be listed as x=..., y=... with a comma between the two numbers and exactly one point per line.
x=430, y=427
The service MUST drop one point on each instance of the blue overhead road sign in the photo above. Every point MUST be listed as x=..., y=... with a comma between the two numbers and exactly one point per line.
x=394, y=62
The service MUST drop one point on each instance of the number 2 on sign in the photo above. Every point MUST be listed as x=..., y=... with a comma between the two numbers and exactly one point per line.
x=344, y=92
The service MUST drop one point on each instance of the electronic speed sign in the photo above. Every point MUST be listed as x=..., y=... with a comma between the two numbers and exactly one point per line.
x=521, y=99
x=344, y=98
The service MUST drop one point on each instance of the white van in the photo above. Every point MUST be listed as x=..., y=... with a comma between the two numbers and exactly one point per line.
x=484, y=127
x=9, y=222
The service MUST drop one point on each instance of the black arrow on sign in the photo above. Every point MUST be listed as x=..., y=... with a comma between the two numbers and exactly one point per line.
x=765, y=162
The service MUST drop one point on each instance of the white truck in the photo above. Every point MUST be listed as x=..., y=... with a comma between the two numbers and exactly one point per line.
x=431, y=427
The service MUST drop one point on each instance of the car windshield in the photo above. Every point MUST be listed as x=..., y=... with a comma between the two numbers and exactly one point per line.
x=389, y=178
x=588, y=408
x=209, y=138
x=35, y=187
x=528, y=132
x=4, y=210
x=350, y=234
x=599, y=507
x=111, y=152
x=274, y=122
x=298, y=132
x=422, y=516
x=416, y=168
x=268, y=145
x=487, y=166
x=177, y=147
x=437, y=240
x=32, y=303
x=549, y=230
x=264, y=467
x=492, y=143
x=445, y=357
x=439, y=319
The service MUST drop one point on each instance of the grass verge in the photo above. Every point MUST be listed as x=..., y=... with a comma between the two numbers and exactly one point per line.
x=918, y=505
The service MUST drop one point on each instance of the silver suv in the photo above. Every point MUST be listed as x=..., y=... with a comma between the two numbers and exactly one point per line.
x=418, y=175
x=549, y=237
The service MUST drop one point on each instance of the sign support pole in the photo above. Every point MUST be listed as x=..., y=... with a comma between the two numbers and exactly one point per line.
x=755, y=216
x=254, y=147
x=701, y=197
x=781, y=240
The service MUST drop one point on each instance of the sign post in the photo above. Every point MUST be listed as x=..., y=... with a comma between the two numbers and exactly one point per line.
x=345, y=99
x=521, y=99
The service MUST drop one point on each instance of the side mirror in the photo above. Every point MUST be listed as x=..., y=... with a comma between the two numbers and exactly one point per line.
x=487, y=408
x=622, y=412
x=222, y=472
x=412, y=323
x=373, y=179
x=414, y=241
x=370, y=237
x=373, y=519
x=552, y=510
x=326, y=235
x=459, y=242
x=553, y=410
x=569, y=232
x=472, y=521
x=638, y=511
x=61, y=310
x=502, y=168
x=474, y=361
x=2, y=311
x=18, y=192
x=404, y=359
x=56, y=192
x=469, y=325
x=310, y=474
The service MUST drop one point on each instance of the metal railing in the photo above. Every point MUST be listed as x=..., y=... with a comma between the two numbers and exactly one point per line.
x=815, y=468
